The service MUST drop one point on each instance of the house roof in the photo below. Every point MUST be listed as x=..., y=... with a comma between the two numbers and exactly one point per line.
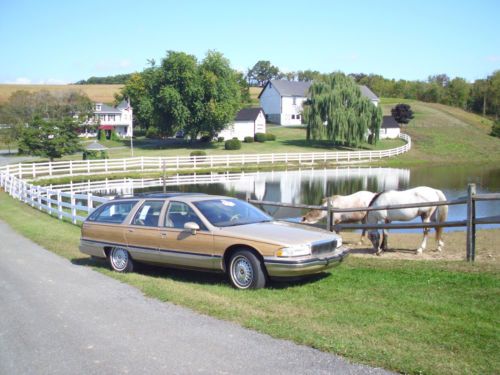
x=123, y=104
x=106, y=109
x=248, y=114
x=389, y=122
x=365, y=91
x=297, y=88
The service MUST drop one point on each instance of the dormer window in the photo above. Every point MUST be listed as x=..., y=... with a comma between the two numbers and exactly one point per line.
x=98, y=106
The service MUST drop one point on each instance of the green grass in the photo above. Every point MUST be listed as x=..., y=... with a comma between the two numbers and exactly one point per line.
x=443, y=134
x=408, y=316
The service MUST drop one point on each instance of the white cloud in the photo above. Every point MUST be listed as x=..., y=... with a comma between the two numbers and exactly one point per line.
x=21, y=81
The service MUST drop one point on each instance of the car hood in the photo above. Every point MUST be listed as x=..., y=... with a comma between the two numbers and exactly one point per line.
x=278, y=233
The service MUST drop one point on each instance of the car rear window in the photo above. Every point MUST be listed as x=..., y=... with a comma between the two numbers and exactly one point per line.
x=115, y=212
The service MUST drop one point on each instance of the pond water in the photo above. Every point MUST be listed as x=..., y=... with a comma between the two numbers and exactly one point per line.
x=310, y=186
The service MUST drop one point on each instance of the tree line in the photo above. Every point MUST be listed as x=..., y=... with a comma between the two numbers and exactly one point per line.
x=107, y=80
x=481, y=96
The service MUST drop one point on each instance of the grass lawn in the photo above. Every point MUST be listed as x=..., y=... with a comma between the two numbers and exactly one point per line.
x=408, y=316
x=444, y=134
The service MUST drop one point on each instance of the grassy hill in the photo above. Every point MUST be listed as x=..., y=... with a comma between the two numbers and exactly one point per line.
x=444, y=134
x=97, y=93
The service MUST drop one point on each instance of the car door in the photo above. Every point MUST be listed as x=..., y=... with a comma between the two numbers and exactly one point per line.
x=182, y=247
x=143, y=234
x=105, y=228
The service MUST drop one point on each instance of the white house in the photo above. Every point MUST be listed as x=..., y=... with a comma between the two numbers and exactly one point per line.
x=119, y=119
x=282, y=100
x=248, y=121
x=389, y=129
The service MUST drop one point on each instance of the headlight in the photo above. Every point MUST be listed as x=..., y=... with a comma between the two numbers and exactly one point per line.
x=294, y=251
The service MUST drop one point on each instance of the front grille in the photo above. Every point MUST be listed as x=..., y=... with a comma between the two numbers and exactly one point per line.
x=323, y=247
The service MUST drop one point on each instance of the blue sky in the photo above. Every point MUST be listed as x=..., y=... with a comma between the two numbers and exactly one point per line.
x=65, y=41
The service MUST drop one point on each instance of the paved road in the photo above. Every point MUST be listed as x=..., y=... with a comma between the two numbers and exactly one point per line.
x=61, y=318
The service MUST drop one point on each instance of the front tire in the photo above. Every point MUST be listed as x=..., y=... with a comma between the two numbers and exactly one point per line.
x=120, y=260
x=246, y=271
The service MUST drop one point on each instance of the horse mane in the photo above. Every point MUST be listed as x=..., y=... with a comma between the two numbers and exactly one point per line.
x=375, y=197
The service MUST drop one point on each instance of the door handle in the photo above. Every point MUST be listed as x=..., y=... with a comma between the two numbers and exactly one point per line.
x=130, y=230
x=163, y=235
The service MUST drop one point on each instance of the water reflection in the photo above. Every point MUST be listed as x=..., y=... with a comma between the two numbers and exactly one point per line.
x=310, y=186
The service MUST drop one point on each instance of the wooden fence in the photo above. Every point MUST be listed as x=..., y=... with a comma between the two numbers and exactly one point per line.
x=470, y=222
x=150, y=164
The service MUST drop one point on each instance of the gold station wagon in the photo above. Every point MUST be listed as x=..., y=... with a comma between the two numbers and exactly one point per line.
x=207, y=232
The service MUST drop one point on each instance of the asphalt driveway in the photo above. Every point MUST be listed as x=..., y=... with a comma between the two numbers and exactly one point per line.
x=61, y=318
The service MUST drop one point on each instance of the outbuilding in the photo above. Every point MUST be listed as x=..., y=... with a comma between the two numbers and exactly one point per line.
x=389, y=129
x=248, y=121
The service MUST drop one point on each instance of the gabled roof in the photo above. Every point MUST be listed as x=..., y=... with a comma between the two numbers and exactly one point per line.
x=389, y=122
x=95, y=146
x=365, y=91
x=289, y=88
x=106, y=109
x=297, y=88
x=123, y=104
x=248, y=114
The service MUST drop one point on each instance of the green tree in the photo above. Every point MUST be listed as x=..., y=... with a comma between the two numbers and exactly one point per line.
x=49, y=138
x=262, y=72
x=495, y=129
x=336, y=110
x=308, y=75
x=402, y=113
x=458, y=92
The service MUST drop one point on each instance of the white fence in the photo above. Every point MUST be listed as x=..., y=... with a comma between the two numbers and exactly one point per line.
x=148, y=164
x=73, y=205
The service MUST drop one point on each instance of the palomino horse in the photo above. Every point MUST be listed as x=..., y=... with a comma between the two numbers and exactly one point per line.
x=360, y=199
x=420, y=194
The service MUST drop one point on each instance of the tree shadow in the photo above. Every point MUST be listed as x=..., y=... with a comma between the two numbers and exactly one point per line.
x=321, y=144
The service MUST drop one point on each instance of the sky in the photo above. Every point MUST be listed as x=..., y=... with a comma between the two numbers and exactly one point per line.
x=56, y=42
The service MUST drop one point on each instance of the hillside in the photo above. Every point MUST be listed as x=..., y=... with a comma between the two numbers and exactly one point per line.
x=97, y=93
x=444, y=134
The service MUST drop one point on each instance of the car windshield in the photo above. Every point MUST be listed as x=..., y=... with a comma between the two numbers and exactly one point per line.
x=230, y=212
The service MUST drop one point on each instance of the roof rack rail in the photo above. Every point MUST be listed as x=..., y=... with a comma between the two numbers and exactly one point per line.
x=155, y=194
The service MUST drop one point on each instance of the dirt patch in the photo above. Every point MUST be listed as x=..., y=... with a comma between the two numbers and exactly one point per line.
x=404, y=246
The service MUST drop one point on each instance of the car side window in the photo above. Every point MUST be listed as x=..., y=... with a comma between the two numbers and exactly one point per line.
x=180, y=213
x=114, y=213
x=149, y=214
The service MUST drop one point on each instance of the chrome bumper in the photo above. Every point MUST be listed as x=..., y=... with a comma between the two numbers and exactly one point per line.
x=282, y=267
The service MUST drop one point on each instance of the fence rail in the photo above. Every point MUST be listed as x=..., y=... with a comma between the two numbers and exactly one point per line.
x=147, y=164
x=470, y=222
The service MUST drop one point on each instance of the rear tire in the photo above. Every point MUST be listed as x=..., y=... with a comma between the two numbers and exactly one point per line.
x=246, y=271
x=120, y=260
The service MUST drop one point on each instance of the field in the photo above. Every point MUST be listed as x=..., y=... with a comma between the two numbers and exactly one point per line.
x=97, y=93
x=444, y=134
x=411, y=316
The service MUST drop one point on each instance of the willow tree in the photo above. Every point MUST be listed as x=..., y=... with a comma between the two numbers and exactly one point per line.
x=336, y=110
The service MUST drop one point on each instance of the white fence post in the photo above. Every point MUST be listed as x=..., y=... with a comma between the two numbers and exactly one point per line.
x=49, y=203
x=89, y=203
x=59, y=205
x=73, y=208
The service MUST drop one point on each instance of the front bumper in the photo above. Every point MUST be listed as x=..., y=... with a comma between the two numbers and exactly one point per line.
x=283, y=267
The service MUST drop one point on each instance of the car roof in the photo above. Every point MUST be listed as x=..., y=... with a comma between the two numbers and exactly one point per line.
x=190, y=197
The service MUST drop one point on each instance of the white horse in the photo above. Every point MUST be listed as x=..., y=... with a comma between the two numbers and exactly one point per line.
x=420, y=194
x=360, y=199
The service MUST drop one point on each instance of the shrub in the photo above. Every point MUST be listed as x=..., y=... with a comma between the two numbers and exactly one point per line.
x=94, y=155
x=249, y=139
x=260, y=137
x=232, y=144
x=495, y=129
x=114, y=136
x=270, y=137
x=101, y=135
x=198, y=153
x=220, y=139
x=152, y=132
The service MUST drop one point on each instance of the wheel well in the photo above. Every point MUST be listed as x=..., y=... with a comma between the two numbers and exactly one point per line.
x=107, y=249
x=234, y=248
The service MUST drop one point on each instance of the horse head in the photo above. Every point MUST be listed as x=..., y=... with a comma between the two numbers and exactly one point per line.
x=313, y=216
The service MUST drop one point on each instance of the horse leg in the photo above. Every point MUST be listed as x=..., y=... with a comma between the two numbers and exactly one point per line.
x=363, y=236
x=423, y=245
x=385, y=236
x=440, y=243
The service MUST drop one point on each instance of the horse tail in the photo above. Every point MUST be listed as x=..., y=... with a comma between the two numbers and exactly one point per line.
x=442, y=214
x=375, y=197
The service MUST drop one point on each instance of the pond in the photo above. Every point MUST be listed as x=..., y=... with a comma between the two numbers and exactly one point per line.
x=310, y=186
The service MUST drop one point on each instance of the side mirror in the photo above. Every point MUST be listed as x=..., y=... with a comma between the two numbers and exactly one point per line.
x=192, y=226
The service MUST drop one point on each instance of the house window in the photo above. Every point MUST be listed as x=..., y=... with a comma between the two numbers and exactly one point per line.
x=97, y=107
x=293, y=117
x=111, y=117
x=298, y=117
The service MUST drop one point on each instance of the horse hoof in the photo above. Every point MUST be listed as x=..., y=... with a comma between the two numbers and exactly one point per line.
x=440, y=248
x=419, y=251
x=378, y=253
